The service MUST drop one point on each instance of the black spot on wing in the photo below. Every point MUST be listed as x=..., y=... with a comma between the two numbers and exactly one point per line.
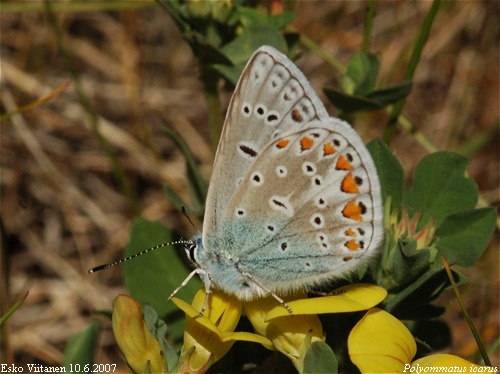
x=248, y=151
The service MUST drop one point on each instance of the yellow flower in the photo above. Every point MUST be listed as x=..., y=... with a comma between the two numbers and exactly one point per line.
x=292, y=335
x=209, y=337
x=380, y=343
x=351, y=298
x=141, y=350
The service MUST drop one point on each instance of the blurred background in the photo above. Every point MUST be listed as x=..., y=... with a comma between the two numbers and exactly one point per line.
x=131, y=73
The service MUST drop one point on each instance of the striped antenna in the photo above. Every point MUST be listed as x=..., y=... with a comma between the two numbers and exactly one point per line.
x=105, y=266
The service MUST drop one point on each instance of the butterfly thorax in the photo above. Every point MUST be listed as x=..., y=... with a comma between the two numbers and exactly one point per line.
x=224, y=269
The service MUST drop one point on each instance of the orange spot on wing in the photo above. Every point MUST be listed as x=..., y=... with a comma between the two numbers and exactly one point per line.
x=349, y=184
x=306, y=143
x=353, y=211
x=328, y=149
x=282, y=143
x=350, y=232
x=343, y=164
x=352, y=245
x=297, y=115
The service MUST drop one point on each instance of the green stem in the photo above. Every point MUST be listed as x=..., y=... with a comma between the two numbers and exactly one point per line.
x=410, y=71
x=466, y=314
x=368, y=27
x=310, y=44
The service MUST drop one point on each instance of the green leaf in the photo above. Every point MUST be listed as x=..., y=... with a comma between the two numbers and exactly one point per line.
x=377, y=99
x=463, y=236
x=152, y=277
x=389, y=95
x=241, y=48
x=433, y=333
x=361, y=74
x=390, y=172
x=207, y=54
x=158, y=329
x=81, y=348
x=422, y=290
x=349, y=103
x=440, y=187
x=320, y=359
x=282, y=19
x=409, y=263
x=430, y=285
x=250, y=16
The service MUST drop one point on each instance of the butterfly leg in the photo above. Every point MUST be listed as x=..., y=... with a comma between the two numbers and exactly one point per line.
x=279, y=299
x=205, y=277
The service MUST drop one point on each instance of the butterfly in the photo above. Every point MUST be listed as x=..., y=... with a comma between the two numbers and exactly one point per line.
x=294, y=199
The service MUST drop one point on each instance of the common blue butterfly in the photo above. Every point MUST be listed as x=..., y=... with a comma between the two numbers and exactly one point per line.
x=294, y=199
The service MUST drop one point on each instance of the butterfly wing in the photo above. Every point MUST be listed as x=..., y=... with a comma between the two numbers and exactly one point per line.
x=312, y=213
x=294, y=197
x=271, y=97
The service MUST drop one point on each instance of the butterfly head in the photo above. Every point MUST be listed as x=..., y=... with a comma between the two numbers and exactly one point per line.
x=193, y=248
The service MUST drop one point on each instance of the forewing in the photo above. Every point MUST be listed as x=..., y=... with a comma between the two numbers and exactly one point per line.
x=272, y=97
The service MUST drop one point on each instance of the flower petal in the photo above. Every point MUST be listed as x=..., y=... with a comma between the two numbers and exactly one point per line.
x=247, y=337
x=380, y=343
x=196, y=354
x=203, y=335
x=192, y=312
x=290, y=334
x=141, y=350
x=222, y=309
x=351, y=298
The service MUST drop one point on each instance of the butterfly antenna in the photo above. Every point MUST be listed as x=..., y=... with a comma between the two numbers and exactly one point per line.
x=183, y=210
x=105, y=266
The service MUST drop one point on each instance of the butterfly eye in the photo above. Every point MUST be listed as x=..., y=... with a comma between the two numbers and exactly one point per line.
x=191, y=252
